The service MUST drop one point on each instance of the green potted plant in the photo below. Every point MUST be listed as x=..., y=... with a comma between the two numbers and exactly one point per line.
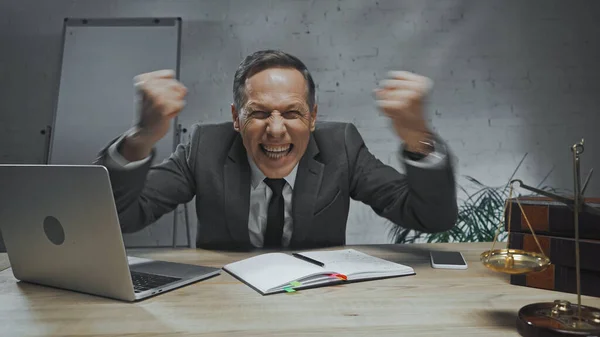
x=479, y=215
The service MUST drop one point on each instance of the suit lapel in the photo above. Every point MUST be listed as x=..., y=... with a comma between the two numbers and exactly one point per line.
x=237, y=192
x=306, y=189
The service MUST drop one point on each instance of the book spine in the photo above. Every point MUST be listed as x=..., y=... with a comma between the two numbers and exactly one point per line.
x=550, y=219
x=561, y=251
x=561, y=279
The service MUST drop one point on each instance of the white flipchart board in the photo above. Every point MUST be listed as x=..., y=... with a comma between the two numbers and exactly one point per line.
x=95, y=99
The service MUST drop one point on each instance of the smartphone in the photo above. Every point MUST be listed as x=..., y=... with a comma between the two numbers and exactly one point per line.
x=447, y=260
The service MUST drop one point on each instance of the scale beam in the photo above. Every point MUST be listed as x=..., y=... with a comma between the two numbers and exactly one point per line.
x=569, y=202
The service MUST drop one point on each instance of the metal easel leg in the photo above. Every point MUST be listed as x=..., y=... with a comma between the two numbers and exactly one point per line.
x=179, y=129
x=187, y=225
x=175, y=227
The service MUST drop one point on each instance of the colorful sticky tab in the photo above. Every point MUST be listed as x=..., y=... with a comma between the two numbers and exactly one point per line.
x=289, y=290
x=340, y=276
x=295, y=284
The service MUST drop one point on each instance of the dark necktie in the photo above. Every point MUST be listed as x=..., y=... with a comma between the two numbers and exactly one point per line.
x=275, y=214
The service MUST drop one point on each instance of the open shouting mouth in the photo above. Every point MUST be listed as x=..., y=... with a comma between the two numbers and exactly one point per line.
x=276, y=151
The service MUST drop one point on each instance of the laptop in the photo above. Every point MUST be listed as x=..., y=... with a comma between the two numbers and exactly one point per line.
x=61, y=229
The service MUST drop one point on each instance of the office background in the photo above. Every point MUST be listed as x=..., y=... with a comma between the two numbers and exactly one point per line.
x=515, y=81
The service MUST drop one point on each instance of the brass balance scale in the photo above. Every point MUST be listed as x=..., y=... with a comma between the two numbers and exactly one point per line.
x=558, y=318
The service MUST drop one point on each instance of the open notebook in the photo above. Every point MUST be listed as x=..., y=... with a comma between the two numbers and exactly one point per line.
x=278, y=272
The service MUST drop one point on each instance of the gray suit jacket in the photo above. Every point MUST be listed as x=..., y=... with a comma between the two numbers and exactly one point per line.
x=337, y=166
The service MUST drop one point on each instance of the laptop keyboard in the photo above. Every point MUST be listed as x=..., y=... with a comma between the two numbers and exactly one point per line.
x=143, y=281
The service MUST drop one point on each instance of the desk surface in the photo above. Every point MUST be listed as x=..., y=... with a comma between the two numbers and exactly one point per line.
x=435, y=302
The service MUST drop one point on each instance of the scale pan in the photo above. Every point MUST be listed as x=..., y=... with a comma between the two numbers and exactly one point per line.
x=514, y=261
x=558, y=319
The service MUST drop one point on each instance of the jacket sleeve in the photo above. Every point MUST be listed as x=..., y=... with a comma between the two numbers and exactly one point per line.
x=423, y=199
x=146, y=192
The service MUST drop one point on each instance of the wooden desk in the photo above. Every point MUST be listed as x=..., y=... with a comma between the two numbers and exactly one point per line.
x=473, y=302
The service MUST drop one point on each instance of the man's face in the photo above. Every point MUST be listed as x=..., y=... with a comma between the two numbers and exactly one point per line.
x=275, y=122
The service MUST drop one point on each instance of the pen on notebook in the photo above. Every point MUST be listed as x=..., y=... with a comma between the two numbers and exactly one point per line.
x=308, y=259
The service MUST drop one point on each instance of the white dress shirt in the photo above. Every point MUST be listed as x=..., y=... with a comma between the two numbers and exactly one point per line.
x=260, y=193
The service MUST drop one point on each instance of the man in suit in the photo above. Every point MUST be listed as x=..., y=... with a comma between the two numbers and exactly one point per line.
x=274, y=177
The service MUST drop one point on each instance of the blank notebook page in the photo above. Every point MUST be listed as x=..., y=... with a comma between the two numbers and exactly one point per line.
x=270, y=270
x=352, y=262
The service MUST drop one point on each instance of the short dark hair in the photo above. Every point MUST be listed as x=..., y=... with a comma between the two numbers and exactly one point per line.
x=265, y=59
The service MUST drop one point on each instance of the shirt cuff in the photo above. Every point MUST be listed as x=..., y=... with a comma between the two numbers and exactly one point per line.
x=116, y=161
x=435, y=159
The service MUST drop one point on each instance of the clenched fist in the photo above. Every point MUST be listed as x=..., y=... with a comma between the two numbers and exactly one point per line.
x=160, y=97
x=401, y=97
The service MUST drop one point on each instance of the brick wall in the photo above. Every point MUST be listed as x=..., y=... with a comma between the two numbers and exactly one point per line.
x=511, y=77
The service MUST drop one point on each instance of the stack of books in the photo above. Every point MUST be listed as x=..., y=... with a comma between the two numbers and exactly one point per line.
x=554, y=226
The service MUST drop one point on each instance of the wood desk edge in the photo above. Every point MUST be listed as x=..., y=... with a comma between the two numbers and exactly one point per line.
x=460, y=246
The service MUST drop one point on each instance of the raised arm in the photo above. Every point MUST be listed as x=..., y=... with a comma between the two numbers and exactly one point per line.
x=144, y=192
x=423, y=199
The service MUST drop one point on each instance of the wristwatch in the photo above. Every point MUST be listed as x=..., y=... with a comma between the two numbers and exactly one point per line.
x=427, y=146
